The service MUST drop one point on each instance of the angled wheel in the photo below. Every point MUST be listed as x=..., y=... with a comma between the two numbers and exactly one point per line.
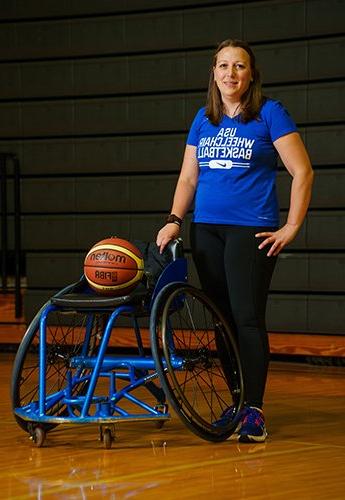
x=68, y=335
x=197, y=361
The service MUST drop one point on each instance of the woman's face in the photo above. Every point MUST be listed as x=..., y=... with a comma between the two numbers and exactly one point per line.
x=232, y=73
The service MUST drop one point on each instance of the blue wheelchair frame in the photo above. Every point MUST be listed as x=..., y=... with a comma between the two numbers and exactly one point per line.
x=132, y=368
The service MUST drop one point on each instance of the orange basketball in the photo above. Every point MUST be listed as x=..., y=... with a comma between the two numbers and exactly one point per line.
x=113, y=266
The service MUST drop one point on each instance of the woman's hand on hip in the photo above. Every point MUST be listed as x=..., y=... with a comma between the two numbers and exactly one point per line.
x=167, y=233
x=278, y=239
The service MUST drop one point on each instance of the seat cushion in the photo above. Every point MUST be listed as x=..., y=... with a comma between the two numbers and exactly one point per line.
x=80, y=298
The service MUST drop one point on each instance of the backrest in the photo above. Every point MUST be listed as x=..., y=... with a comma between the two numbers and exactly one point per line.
x=160, y=269
x=155, y=262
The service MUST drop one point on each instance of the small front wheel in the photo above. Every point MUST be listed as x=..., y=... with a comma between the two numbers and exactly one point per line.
x=162, y=408
x=107, y=437
x=39, y=436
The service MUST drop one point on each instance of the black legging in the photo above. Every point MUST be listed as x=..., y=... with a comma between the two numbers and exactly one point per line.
x=236, y=275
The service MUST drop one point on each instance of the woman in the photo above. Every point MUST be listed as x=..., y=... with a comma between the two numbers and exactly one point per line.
x=229, y=167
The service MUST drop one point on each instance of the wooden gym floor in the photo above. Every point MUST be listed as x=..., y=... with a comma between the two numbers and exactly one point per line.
x=304, y=457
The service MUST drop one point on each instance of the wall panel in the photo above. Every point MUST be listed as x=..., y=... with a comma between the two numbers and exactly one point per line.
x=326, y=144
x=326, y=314
x=324, y=17
x=162, y=30
x=323, y=56
x=277, y=20
x=309, y=273
x=328, y=189
x=55, y=270
x=326, y=230
x=287, y=313
x=201, y=27
x=327, y=272
x=40, y=79
x=290, y=61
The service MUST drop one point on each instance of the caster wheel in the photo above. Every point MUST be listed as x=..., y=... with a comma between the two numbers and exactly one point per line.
x=107, y=439
x=162, y=408
x=38, y=436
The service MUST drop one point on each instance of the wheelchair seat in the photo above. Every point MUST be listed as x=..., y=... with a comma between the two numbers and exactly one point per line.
x=81, y=295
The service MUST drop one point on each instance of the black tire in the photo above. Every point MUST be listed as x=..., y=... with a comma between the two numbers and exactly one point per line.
x=39, y=436
x=107, y=439
x=185, y=325
x=63, y=342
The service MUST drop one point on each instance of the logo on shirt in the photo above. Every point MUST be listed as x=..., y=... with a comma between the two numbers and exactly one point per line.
x=226, y=164
x=225, y=150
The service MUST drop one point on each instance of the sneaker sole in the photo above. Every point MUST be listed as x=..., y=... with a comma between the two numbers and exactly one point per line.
x=248, y=438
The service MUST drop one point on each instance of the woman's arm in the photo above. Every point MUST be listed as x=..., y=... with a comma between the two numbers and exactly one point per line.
x=295, y=158
x=183, y=197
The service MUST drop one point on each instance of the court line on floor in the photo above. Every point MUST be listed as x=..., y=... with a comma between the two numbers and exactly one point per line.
x=329, y=445
x=178, y=468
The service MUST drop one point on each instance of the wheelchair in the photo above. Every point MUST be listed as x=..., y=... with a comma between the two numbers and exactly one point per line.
x=67, y=372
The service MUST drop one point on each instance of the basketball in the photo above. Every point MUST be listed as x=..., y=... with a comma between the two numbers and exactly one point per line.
x=113, y=267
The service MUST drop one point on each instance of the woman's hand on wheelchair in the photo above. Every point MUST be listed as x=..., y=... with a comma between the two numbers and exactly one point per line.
x=168, y=232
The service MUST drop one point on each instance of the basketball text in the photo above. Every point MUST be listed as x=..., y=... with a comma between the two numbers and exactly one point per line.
x=107, y=256
x=106, y=275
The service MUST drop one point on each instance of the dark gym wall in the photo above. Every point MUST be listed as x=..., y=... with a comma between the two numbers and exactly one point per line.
x=96, y=98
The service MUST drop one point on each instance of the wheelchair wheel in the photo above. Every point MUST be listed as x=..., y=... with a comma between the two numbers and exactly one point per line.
x=66, y=337
x=197, y=361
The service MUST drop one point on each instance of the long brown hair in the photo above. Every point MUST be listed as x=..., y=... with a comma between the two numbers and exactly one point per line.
x=251, y=100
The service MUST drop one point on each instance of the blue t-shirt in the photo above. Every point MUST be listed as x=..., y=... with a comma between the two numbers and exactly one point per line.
x=238, y=166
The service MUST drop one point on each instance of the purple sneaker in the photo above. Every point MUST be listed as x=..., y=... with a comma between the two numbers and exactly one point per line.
x=253, y=429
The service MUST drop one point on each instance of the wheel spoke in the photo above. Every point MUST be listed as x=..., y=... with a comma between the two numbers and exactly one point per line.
x=192, y=333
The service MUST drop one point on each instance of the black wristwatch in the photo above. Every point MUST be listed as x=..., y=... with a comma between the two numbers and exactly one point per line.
x=172, y=218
